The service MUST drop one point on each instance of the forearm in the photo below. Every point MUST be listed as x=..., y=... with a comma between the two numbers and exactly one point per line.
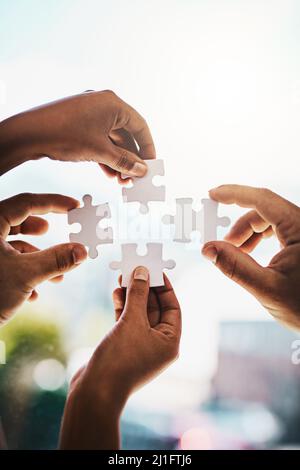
x=92, y=431
x=18, y=142
x=91, y=420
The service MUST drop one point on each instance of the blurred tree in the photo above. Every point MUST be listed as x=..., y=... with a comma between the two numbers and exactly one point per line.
x=29, y=338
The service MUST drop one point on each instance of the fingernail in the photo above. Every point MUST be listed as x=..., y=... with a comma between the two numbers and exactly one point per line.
x=139, y=169
x=210, y=253
x=141, y=273
x=79, y=254
x=211, y=191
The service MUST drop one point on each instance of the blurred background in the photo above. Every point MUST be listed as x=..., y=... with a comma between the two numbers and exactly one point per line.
x=219, y=84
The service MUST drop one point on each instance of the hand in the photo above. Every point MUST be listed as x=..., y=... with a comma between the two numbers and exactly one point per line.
x=277, y=285
x=92, y=126
x=143, y=342
x=23, y=266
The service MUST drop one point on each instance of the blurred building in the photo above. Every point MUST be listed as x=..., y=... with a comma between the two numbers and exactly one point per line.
x=255, y=366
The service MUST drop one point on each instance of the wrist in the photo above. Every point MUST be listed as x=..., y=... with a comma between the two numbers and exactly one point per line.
x=107, y=393
x=99, y=395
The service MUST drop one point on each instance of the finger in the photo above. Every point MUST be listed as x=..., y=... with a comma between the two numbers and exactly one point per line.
x=14, y=211
x=269, y=232
x=108, y=171
x=170, y=313
x=124, y=139
x=122, y=160
x=114, y=174
x=138, y=128
x=123, y=181
x=245, y=227
x=31, y=226
x=274, y=209
x=255, y=239
x=251, y=243
x=241, y=268
x=23, y=247
x=54, y=261
x=153, y=309
x=119, y=298
x=137, y=295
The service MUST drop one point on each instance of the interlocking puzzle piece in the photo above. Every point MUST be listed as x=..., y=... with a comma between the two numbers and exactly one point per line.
x=152, y=261
x=143, y=189
x=187, y=220
x=89, y=217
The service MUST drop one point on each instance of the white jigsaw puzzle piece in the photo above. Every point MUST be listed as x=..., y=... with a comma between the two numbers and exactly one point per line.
x=152, y=261
x=182, y=220
x=89, y=216
x=143, y=189
x=186, y=220
x=208, y=221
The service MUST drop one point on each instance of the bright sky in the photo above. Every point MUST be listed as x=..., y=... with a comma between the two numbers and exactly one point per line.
x=219, y=84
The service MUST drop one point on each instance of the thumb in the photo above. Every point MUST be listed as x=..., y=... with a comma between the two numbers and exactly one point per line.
x=124, y=161
x=241, y=268
x=46, y=264
x=137, y=294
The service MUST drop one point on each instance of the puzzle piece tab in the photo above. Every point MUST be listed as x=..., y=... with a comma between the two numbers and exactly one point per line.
x=187, y=220
x=89, y=217
x=152, y=261
x=143, y=189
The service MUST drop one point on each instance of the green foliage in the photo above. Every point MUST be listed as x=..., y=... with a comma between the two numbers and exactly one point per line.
x=32, y=336
x=29, y=337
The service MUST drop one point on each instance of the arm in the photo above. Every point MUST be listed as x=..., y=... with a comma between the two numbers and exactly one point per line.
x=143, y=342
x=16, y=143
x=276, y=286
x=92, y=417
x=93, y=126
